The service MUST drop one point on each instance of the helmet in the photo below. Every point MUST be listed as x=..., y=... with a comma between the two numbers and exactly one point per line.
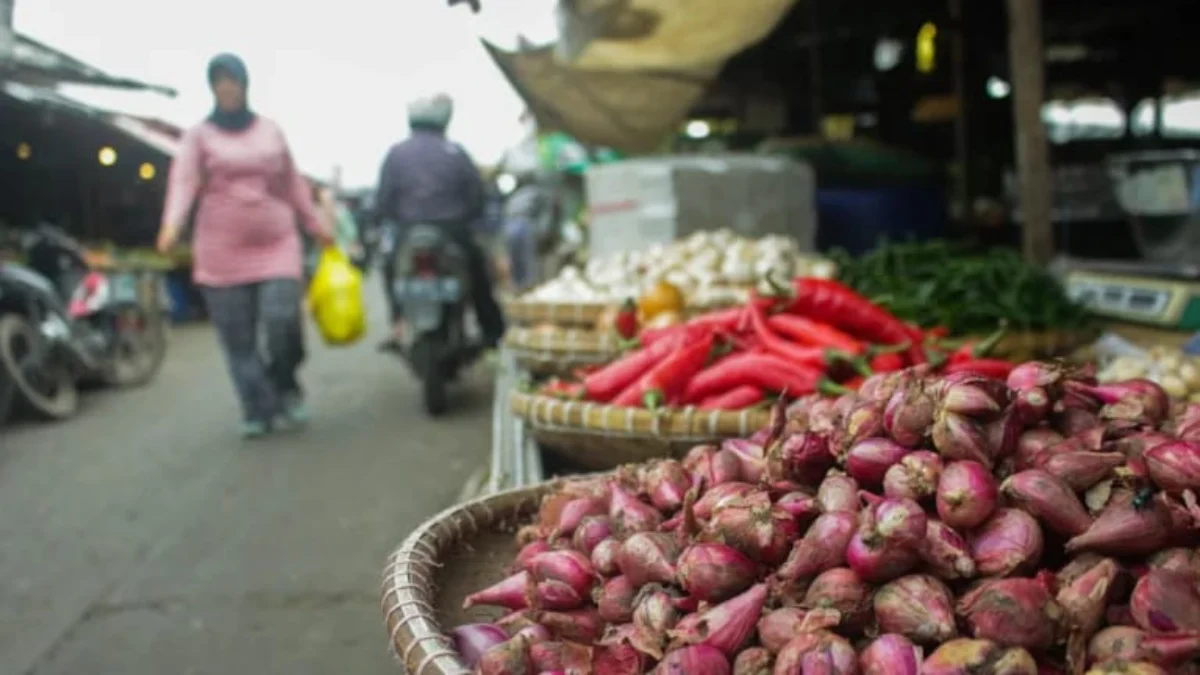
x=431, y=111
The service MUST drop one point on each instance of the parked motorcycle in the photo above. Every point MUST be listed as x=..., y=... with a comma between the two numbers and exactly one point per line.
x=63, y=323
x=431, y=282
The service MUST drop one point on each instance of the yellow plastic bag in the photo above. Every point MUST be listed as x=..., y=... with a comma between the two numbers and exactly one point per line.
x=335, y=298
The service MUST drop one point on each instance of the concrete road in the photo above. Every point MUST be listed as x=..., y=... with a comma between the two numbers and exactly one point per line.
x=145, y=538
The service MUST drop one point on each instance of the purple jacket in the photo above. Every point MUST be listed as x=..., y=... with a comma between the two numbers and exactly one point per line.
x=429, y=179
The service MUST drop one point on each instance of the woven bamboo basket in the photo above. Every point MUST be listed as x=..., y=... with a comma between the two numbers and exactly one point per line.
x=451, y=555
x=578, y=314
x=552, y=350
x=600, y=437
x=1028, y=346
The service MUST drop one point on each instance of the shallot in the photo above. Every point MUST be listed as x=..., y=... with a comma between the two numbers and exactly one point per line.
x=1013, y=612
x=966, y=494
x=965, y=656
x=753, y=661
x=776, y=628
x=868, y=461
x=1079, y=470
x=507, y=658
x=564, y=579
x=945, y=552
x=909, y=414
x=958, y=437
x=841, y=589
x=713, y=572
x=649, y=557
x=667, y=482
x=615, y=599
x=873, y=558
x=726, y=626
x=918, y=607
x=823, y=546
x=1174, y=466
x=1010, y=542
x=890, y=654
x=604, y=557
x=838, y=493
x=574, y=512
x=590, y=532
x=630, y=515
x=1166, y=601
x=1127, y=526
x=694, y=660
x=1049, y=499
x=899, y=522
x=915, y=476
x=473, y=639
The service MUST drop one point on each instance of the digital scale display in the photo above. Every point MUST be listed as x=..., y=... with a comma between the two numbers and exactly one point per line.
x=1104, y=298
x=1165, y=302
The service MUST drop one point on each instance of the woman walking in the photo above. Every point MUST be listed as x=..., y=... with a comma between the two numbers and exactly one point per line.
x=236, y=170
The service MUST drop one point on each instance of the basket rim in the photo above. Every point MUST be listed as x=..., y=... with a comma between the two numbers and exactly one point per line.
x=416, y=639
x=547, y=413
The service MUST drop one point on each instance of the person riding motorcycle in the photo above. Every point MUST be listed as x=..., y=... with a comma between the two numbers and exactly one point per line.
x=429, y=179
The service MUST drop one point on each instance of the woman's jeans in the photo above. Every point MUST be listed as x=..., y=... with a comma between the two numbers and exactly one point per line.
x=263, y=371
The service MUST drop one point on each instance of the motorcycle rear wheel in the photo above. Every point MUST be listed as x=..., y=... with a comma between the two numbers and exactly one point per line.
x=138, y=357
x=427, y=359
x=55, y=396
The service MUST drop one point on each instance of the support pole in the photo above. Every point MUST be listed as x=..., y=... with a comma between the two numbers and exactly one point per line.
x=7, y=38
x=962, y=154
x=1026, y=61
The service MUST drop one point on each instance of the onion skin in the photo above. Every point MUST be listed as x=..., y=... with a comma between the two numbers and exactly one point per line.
x=628, y=515
x=835, y=657
x=568, y=657
x=900, y=522
x=719, y=496
x=473, y=639
x=869, y=460
x=654, y=616
x=1166, y=601
x=604, y=557
x=838, y=493
x=579, y=625
x=507, y=658
x=1117, y=668
x=694, y=660
x=966, y=494
x=945, y=552
x=958, y=437
x=667, y=482
x=753, y=661
x=618, y=659
x=1125, y=643
x=1013, y=612
x=914, y=477
x=790, y=660
x=909, y=414
x=873, y=559
x=1084, y=601
x=823, y=546
x=918, y=607
x=1178, y=559
x=590, y=532
x=802, y=506
x=891, y=654
x=715, y=572
x=753, y=526
x=1049, y=499
x=649, y=557
x=802, y=457
x=564, y=579
x=776, y=628
x=615, y=600
x=978, y=657
x=1010, y=542
x=843, y=590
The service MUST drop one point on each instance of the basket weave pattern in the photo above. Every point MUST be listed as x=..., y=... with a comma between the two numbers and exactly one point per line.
x=597, y=436
x=409, y=595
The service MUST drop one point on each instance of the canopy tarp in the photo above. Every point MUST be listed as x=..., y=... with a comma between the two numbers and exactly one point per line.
x=630, y=111
x=662, y=34
x=625, y=73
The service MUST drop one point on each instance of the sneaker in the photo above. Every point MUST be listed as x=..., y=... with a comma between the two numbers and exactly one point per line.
x=254, y=429
x=295, y=411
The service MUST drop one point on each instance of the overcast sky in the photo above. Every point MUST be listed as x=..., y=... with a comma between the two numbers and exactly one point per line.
x=336, y=75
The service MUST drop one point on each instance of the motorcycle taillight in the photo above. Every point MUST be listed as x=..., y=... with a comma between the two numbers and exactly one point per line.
x=424, y=263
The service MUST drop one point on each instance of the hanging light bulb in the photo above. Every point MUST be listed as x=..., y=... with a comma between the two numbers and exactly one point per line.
x=24, y=151
x=926, y=51
x=107, y=156
x=147, y=171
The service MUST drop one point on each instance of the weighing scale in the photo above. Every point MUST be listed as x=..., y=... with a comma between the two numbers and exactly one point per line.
x=1160, y=193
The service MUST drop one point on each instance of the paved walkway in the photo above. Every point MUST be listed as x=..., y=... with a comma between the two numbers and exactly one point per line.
x=144, y=538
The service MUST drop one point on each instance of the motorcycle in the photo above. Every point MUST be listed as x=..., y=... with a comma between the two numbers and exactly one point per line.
x=63, y=323
x=431, y=282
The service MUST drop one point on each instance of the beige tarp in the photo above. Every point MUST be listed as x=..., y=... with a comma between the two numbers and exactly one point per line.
x=627, y=72
x=663, y=34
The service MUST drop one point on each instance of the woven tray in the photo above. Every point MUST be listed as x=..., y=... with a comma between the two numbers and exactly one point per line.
x=559, y=351
x=1030, y=346
x=451, y=555
x=599, y=437
x=529, y=312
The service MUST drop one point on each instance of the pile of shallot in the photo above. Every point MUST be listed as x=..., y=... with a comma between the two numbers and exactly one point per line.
x=926, y=524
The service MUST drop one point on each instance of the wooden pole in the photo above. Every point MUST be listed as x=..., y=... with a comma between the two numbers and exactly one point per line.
x=962, y=155
x=1026, y=62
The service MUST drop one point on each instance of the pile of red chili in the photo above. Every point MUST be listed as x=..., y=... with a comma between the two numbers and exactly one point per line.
x=819, y=336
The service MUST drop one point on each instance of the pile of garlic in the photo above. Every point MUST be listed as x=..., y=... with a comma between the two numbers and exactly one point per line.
x=1176, y=372
x=711, y=268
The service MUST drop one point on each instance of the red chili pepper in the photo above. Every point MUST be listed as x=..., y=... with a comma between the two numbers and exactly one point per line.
x=735, y=399
x=976, y=349
x=938, y=332
x=843, y=307
x=887, y=363
x=603, y=385
x=626, y=321
x=806, y=330
x=666, y=381
x=562, y=389
x=765, y=371
x=854, y=383
x=997, y=368
x=813, y=357
x=724, y=320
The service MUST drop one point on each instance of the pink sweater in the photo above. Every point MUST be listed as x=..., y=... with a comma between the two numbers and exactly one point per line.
x=248, y=195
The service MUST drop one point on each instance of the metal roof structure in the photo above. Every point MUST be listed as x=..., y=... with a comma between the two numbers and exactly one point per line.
x=33, y=63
